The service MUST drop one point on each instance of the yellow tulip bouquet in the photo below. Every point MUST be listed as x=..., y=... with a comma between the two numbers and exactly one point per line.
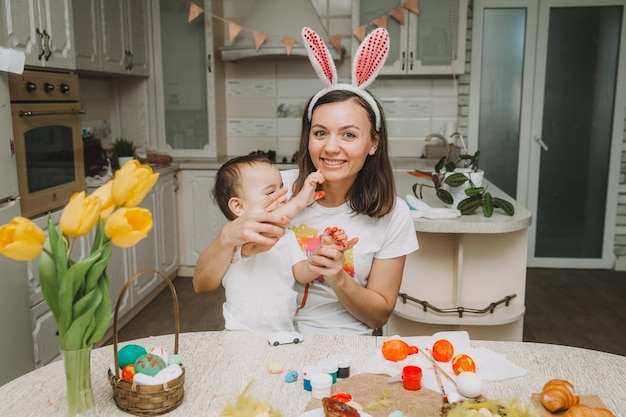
x=77, y=291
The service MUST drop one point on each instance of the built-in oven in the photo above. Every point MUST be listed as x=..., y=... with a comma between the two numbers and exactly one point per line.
x=48, y=142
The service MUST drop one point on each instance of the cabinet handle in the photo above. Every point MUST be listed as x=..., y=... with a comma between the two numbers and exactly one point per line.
x=208, y=63
x=41, y=44
x=541, y=143
x=403, y=60
x=411, y=61
x=49, y=54
x=131, y=63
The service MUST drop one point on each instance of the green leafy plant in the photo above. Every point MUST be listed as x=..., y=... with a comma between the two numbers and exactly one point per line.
x=123, y=147
x=444, y=173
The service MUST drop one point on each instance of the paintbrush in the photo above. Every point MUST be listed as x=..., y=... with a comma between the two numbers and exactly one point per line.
x=441, y=387
x=436, y=365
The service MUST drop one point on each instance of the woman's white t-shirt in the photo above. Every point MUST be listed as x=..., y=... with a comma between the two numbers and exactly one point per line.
x=388, y=237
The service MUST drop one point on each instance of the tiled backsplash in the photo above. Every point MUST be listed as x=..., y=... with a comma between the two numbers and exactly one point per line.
x=265, y=98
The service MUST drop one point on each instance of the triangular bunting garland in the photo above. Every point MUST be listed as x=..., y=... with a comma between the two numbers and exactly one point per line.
x=233, y=30
x=335, y=41
x=194, y=11
x=412, y=6
x=397, y=14
x=359, y=33
x=381, y=22
x=289, y=41
x=259, y=38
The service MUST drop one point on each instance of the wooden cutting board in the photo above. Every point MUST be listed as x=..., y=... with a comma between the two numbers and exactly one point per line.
x=370, y=389
x=588, y=400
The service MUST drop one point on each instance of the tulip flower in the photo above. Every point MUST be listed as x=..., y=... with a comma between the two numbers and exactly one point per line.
x=104, y=193
x=131, y=184
x=80, y=214
x=21, y=239
x=127, y=226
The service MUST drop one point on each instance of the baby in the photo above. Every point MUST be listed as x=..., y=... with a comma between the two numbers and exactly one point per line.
x=259, y=289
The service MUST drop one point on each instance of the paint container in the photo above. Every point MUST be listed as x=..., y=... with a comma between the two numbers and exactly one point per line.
x=343, y=364
x=412, y=378
x=320, y=385
x=329, y=366
x=307, y=372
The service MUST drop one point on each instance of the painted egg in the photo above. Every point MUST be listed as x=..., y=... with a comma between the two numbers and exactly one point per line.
x=443, y=350
x=396, y=350
x=175, y=359
x=463, y=363
x=159, y=351
x=291, y=376
x=128, y=372
x=149, y=364
x=469, y=384
x=129, y=354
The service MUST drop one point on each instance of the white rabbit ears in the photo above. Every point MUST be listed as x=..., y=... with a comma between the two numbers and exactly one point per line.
x=369, y=60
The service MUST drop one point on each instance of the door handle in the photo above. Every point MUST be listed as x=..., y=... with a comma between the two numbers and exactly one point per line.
x=41, y=44
x=48, y=44
x=541, y=143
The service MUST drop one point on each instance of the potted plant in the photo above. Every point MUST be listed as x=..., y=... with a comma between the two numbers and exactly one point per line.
x=462, y=187
x=124, y=149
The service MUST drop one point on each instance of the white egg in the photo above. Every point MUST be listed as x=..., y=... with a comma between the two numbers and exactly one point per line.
x=469, y=384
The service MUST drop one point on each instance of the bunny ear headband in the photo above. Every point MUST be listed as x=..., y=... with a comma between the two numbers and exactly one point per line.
x=368, y=62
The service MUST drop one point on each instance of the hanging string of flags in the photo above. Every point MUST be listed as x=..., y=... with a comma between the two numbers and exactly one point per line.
x=235, y=29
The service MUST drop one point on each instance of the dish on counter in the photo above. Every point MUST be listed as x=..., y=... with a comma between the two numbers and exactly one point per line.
x=319, y=412
x=442, y=214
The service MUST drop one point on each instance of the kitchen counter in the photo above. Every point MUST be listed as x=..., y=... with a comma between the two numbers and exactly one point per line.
x=464, y=264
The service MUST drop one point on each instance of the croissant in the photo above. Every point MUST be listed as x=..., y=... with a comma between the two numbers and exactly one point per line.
x=580, y=410
x=558, y=394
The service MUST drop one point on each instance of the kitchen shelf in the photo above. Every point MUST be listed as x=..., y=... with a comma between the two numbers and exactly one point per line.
x=501, y=315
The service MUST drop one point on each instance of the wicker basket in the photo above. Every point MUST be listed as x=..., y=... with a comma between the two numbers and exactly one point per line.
x=144, y=400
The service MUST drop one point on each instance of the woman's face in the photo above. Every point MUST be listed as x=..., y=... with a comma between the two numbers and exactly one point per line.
x=340, y=140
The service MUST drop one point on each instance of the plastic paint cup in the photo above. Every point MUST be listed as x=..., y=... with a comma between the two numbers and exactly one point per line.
x=412, y=378
x=307, y=372
x=320, y=385
x=329, y=366
x=343, y=364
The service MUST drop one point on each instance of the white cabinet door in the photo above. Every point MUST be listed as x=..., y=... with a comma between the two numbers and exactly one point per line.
x=166, y=224
x=42, y=29
x=431, y=42
x=87, y=34
x=124, y=36
x=201, y=219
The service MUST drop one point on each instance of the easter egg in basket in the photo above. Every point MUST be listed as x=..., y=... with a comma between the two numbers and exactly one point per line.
x=149, y=364
x=396, y=350
x=129, y=354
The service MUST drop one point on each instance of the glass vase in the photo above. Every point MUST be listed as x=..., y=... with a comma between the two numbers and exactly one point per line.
x=80, y=401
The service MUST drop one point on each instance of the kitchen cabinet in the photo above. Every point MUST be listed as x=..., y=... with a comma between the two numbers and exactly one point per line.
x=158, y=251
x=42, y=29
x=112, y=36
x=431, y=42
x=190, y=111
x=200, y=217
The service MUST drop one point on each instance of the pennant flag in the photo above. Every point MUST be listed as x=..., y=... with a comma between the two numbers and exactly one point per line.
x=335, y=41
x=289, y=42
x=259, y=38
x=381, y=22
x=359, y=33
x=233, y=30
x=412, y=6
x=194, y=11
x=398, y=14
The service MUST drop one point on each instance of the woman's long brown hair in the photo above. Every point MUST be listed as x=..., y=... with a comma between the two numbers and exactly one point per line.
x=374, y=192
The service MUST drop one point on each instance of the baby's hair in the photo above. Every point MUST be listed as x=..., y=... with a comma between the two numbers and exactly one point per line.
x=228, y=180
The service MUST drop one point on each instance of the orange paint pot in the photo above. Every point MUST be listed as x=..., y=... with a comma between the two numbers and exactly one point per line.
x=412, y=378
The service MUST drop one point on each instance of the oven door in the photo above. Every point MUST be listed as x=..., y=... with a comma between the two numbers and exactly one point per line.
x=49, y=154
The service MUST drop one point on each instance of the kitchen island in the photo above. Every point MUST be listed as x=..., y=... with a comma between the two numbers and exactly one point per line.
x=464, y=266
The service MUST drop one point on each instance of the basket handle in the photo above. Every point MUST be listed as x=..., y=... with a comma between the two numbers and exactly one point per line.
x=117, y=309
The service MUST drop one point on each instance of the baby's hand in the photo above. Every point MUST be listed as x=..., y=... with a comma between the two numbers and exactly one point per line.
x=308, y=194
x=337, y=238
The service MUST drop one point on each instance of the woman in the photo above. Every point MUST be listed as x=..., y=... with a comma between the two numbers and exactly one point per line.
x=344, y=135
